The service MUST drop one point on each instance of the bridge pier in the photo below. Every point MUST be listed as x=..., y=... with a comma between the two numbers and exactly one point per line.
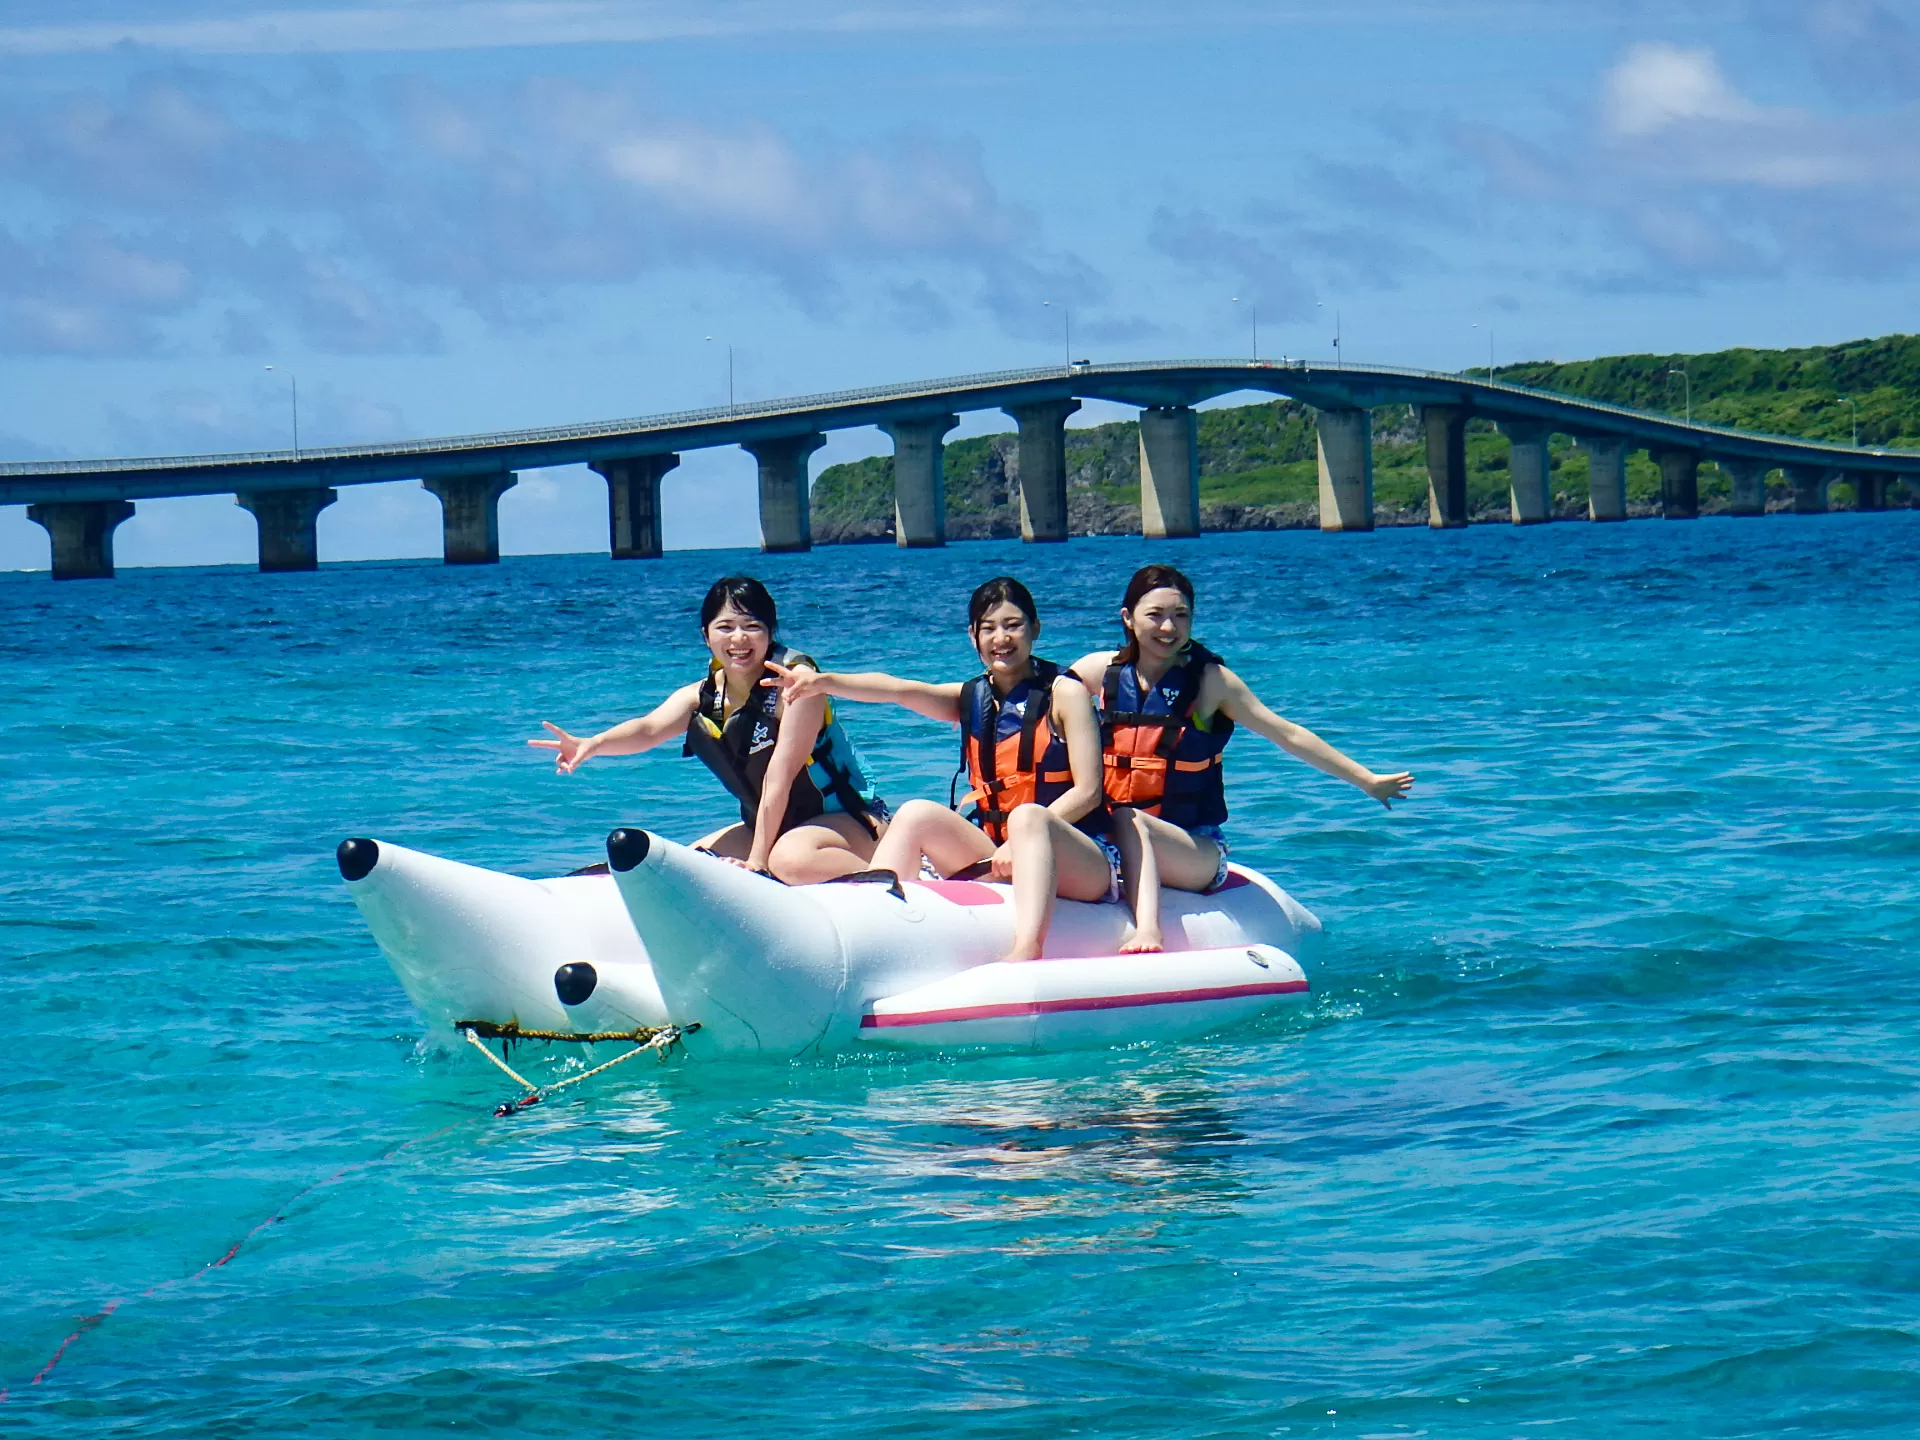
x=1043, y=468
x=1679, y=483
x=81, y=533
x=1346, y=469
x=1809, y=484
x=470, y=514
x=1529, y=471
x=1749, y=479
x=1169, y=472
x=1446, y=432
x=1870, y=490
x=633, y=503
x=1606, y=476
x=786, y=493
x=920, y=479
x=289, y=526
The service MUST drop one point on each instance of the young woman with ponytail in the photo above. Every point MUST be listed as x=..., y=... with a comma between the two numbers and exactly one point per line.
x=1168, y=706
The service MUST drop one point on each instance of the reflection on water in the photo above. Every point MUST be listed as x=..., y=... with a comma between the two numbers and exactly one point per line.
x=1603, y=1107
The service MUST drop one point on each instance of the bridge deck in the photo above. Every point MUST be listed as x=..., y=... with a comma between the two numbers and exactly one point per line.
x=1143, y=383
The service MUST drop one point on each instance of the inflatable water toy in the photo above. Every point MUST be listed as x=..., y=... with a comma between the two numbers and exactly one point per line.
x=748, y=967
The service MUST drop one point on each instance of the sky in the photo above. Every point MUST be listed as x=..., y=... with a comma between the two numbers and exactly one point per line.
x=434, y=217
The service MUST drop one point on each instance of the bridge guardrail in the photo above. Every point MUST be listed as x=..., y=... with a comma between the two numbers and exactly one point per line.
x=934, y=390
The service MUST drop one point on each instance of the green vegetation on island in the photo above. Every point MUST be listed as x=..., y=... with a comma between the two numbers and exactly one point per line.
x=1258, y=466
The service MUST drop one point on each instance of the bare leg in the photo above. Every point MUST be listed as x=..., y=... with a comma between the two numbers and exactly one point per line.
x=822, y=849
x=1049, y=857
x=1184, y=862
x=924, y=830
x=1140, y=869
x=732, y=843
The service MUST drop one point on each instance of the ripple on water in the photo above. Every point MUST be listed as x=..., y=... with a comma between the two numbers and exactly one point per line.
x=1598, y=1122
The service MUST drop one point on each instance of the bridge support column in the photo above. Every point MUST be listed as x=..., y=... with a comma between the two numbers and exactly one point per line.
x=81, y=532
x=633, y=503
x=1809, y=488
x=1446, y=430
x=1169, y=472
x=1606, y=477
x=920, y=479
x=1749, y=479
x=470, y=514
x=289, y=526
x=1870, y=490
x=1346, y=468
x=1679, y=483
x=1043, y=468
x=1529, y=471
x=786, y=494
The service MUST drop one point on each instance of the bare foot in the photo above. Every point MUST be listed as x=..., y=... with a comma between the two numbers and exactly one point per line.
x=1021, y=953
x=1143, y=942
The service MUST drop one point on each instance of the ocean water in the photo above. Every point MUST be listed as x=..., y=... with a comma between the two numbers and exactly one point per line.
x=1601, y=1120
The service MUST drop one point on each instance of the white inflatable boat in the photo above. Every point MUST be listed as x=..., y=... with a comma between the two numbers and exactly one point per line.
x=673, y=936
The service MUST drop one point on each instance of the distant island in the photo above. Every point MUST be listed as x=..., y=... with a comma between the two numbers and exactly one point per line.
x=1258, y=468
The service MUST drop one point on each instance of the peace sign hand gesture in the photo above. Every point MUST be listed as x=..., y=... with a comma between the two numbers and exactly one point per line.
x=574, y=750
x=797, y=685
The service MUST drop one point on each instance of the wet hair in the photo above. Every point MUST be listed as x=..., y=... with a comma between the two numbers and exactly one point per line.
x=1002, y=590
x=1146, y=580
x=743, y=593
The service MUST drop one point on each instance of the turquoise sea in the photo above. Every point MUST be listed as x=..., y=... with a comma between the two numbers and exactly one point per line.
x=1601, y=1121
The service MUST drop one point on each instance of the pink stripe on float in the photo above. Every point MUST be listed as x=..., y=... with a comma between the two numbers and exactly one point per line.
x=963, y=892
x=1083, y=1002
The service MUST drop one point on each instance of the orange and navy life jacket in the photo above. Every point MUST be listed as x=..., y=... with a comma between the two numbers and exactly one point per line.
x=1012, y=753
x=1156, y=757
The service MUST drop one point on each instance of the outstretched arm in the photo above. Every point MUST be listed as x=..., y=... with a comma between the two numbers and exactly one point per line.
x=1240, y=704
x=936, y=702
x=629, y=737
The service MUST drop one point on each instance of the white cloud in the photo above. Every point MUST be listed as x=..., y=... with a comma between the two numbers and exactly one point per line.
x=1655, y=86
x=1686, y=179
x=359, y=217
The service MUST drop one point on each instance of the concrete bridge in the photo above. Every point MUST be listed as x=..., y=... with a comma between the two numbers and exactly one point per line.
x=80, y=502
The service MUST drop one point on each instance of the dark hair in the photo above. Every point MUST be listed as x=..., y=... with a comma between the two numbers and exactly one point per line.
x=1001, y=590
x=743, y=593
x=1146, y=580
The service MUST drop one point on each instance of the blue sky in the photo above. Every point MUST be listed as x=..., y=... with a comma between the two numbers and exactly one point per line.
x=455, y=215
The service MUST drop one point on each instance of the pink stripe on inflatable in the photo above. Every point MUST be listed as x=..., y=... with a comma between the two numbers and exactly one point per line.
x=1082, y=1002
x=963, y=892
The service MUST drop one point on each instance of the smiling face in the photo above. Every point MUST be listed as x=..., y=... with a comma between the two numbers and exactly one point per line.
x=739, y=642
x=1005, y=639
x=1160, y=623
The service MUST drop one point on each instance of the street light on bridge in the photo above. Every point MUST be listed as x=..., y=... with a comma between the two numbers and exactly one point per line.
x=1339, y=357
x=1686, y=380
x=1476, y=325
x=1856, y=420
x=1066, y=316
x=729, y=374
x=295, y=379
x=1254, y=311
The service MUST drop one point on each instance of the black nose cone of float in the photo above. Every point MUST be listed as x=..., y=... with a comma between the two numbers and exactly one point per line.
x=357, y=858
x=574, y=983
x=625, y=848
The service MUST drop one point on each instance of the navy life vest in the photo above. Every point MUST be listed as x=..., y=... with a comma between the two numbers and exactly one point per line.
x=1013, y=754
x=1154, y=755
x=737, y=748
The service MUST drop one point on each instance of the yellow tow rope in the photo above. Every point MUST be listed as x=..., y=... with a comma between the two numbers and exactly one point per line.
x=657, y=1038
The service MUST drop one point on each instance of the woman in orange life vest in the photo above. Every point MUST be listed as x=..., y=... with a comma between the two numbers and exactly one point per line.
x=1168, y=706
x=1032, y=747
x=807, y=810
